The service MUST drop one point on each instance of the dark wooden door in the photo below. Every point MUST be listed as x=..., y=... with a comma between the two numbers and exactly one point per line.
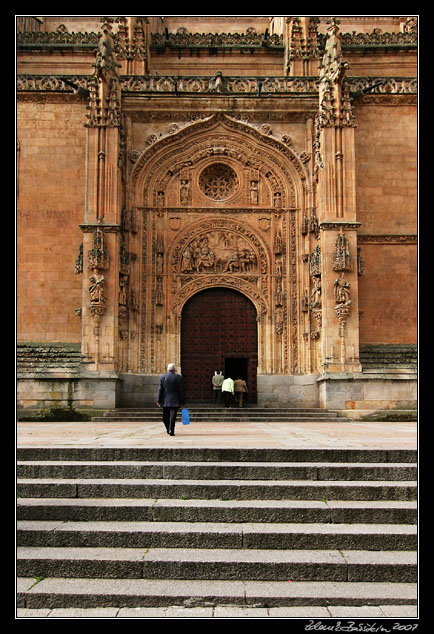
x=219, y=331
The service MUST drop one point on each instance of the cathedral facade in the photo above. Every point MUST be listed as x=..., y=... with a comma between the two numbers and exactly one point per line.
x=229, y=193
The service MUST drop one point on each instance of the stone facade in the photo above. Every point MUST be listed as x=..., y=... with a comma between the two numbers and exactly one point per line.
x=161, y=157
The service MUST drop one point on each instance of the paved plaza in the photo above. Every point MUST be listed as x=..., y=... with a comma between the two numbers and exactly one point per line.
x=343, y=435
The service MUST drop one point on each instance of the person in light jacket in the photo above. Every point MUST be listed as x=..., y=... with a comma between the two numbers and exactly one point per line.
x=217, y=381
x=227, y=391
x=240, y=388
x=171, y=396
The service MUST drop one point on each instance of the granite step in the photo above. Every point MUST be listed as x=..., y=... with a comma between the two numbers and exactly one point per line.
x=221, y=419
x=87, y=593
x=215, y=470
x=197, y=510
x=222, y=414
x=220, y=454
x=247, y=535
x=224, y=563
x=213, y=489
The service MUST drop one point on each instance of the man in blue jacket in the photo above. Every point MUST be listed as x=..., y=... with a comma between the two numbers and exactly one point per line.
x=171, y=396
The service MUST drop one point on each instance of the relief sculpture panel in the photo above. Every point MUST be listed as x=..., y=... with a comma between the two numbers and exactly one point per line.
x=222, y=252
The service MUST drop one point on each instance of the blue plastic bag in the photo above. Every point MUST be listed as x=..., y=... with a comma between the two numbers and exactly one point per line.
x=185, y=417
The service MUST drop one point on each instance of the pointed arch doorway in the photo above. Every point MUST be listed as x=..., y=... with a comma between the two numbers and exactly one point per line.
x=218, y=332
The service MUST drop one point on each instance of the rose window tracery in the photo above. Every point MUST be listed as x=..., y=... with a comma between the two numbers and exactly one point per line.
x=218, y=181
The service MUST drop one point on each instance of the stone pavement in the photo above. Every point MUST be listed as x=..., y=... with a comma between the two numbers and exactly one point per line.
x=342, y=435
x=402, y=613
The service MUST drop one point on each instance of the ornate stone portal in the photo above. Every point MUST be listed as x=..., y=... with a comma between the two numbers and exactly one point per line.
x=220, y=202
x=220, y=210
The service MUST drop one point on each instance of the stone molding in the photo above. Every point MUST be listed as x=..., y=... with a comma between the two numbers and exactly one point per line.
x=178, y=41
x=388, y=239
x=195, y=85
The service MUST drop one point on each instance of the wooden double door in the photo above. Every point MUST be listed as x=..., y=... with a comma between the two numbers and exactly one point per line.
x=218, y=333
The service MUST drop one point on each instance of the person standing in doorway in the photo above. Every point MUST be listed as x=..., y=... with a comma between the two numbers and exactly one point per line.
x=217, y=381
x=171, y=396
x=240, y=388
x=227, y=391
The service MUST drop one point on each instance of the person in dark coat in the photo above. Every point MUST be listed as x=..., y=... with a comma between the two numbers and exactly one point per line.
x=171, y=396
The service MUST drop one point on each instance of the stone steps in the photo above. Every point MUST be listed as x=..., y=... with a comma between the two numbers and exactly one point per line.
x=388, y=357
x=143, y=527
x=226, y=454
x=214, y=510
x=90, y=593
x=217, y=563
x=223, y=414
x=214, y=470
x=212, y=489
x=216, y=535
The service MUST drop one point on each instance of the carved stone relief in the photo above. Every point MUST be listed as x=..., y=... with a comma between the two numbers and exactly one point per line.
x=222, y=252
x=219, y=245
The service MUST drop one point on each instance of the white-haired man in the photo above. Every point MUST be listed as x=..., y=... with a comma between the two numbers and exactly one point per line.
x=171, y=396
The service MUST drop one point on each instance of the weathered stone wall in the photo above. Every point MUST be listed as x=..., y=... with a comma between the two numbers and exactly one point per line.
x=386, y=175
x=51, y=165
x=386, y=161
x=288, y=391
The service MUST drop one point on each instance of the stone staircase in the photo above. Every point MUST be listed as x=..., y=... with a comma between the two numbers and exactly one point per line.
x=176, y=526
x=388, y=358
x=209, y=413
x=49, y=359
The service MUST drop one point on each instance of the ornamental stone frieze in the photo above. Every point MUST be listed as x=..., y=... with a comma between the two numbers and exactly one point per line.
x=80, y=86
x=408, y=36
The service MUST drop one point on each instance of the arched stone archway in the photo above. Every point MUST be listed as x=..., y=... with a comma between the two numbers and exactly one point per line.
x=220, y=205
x=218, y=333
x=169, y=171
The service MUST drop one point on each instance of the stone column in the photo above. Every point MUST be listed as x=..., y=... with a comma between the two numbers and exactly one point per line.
x=335, y=165
x=102, y=216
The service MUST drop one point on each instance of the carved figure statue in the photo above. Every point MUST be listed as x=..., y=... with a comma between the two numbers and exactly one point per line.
x=96, y=289
x=159, y=264
x=313, y=223
x=316, y=293
x=254, y=191
x=216, y=83
x=206, y=258
x=224, y=252
x=279, y=320
x=122, y=291
x=232, y=263
x=187, y=260
x=106, y=63
x=342, y=291
x=183, y=192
